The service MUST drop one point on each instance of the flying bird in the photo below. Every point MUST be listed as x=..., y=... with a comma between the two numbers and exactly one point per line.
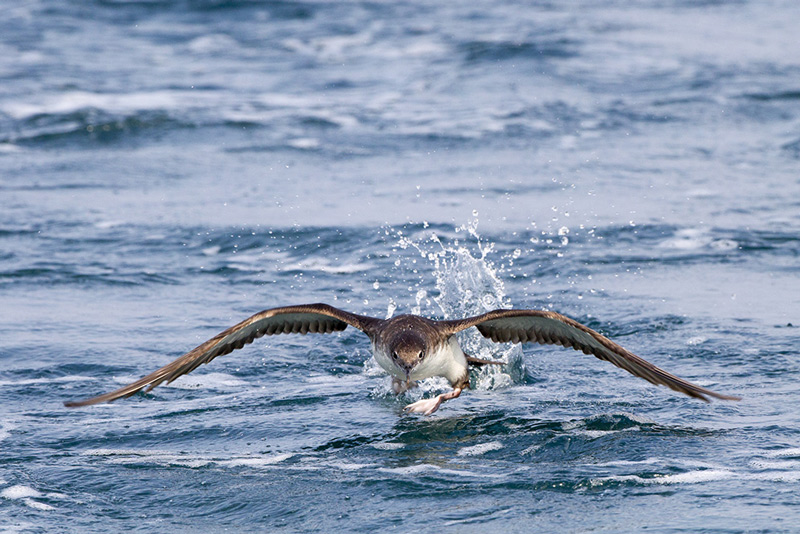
x=412, y=348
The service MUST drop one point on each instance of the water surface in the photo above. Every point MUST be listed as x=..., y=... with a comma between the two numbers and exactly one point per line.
x=169, y=168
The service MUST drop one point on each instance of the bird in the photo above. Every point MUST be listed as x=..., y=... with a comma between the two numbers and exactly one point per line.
x=411, y=348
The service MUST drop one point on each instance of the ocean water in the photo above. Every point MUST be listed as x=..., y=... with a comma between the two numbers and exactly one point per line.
x=169, y=168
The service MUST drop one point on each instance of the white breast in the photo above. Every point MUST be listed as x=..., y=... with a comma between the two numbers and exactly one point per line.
x=447, y=361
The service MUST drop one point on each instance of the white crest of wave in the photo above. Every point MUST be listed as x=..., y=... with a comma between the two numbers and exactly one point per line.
x=72, y=101
x=326, y=266
x=690, y=477
x=418, y=469
x=19, y=492
x=27, y=495
x=480, y=448
x=164, y=457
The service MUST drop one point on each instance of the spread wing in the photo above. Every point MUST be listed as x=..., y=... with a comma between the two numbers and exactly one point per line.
x=315, y=318
x=550, y=328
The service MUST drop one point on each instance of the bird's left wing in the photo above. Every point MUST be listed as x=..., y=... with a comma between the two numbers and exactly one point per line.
x=313, y=318
x=550, y=328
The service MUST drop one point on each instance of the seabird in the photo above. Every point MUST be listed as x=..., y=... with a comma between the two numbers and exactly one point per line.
x=411, y=348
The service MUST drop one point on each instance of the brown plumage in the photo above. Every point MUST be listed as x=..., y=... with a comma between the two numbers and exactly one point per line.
x=411, y=348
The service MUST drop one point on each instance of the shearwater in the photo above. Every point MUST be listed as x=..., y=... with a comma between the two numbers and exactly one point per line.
x=411, y=348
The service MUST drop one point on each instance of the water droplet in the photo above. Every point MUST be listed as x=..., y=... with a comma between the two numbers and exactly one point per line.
x=391, y=308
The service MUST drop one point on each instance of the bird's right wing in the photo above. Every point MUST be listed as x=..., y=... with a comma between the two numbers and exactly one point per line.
x=308, y=318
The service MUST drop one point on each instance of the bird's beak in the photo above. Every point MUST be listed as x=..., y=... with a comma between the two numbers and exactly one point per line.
x=408, y=376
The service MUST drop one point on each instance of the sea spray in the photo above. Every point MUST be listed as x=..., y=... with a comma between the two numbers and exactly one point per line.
x=467, y=283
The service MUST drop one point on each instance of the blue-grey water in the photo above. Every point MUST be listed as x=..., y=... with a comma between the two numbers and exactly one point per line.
x=169, y=168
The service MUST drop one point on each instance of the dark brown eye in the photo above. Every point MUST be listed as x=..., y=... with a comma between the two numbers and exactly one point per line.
x=421, y=355
x=394, y=355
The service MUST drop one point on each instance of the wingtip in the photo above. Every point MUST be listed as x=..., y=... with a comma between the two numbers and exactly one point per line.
x=85, y=402
x=720, y=396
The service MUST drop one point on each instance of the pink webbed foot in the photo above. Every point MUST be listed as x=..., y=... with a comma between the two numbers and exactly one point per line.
x=429, y=406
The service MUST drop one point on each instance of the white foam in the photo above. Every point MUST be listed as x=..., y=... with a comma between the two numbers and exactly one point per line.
x=481, y=448
x=58, y=380
x=617, y=463
x=696, y=340
x=27, y=495
x=19, y=492
x=772, y=476
x=303, y=143
x=785, y=465
x=770, y=466
x=579, y=427
x=793, y=451
x=492, y=377
x=209, y=380
x=105, y=225
x=257, y=461
x=412, y=470
x=20, y=526
x=36, y=505
x=347, y=466
x=690, y=477
x=694, y=477
x=125, y=456
x=5, y=431
x=594, y=434
x=687, y=239
x=161, y=457
x=386, y=446
x=325, y=266
x=72, y=101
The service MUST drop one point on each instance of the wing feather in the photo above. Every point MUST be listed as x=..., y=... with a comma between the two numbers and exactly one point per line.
x=309, y=318
x=550, y=328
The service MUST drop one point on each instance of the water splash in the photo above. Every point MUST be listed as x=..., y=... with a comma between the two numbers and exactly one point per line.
x=467, y=283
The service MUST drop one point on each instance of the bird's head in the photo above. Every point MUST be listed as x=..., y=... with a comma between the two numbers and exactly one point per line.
x=407, y=350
